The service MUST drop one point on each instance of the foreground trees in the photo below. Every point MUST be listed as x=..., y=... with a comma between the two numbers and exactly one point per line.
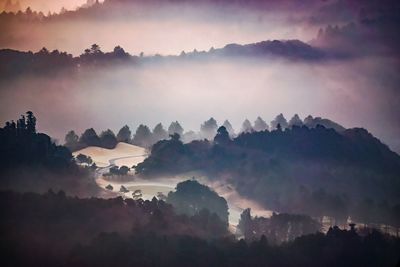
x=277, y=229
x=117, y=232
x=192, y=198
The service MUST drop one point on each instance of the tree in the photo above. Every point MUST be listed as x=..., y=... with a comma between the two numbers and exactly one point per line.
x=222, y=137
x=119, y=52
x=95, y=49
x=142, y=136
x=175, y=127
x=84, y=159
x=108, y=139
x=260, y=125
x=281, y=120
x=44, y=52
x=89, y=138
x=124, y=134
x=246, y=126
x=159, y=133
x=123, y=189
x=72, y=140
x=191, y=197
x=21, y=125
x=30, y=122
x=209, y=128
x=109, y=187
x=123, y=170
x=245, y=225
x=295, y=121
x=229, y=128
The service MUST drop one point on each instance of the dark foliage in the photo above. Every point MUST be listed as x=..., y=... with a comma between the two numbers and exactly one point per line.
x=41, y=229
x=124, y=135
x=192, y=198
x=108, y=139
x=84, y=159
x=55, y=230
x=277, y=229
x=21, y=145
x=30, y=161
x=315, y=171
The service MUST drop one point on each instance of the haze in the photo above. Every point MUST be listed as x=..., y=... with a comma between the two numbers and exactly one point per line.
x=191, y=92
x=358, y=89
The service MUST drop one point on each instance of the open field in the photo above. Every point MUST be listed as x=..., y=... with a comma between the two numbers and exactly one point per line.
x=122, y=154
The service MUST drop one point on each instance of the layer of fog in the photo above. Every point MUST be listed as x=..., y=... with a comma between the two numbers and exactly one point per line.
x=355, y=94
x=164, y=30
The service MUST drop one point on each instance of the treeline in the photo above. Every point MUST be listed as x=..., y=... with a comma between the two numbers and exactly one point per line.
x=279, y=228
x=20, y=144
x=145, y=137
x=45, y=62
x=31, y=161
x=60, y=222
x=336, y=248
x=300, y=170
x=55, y=230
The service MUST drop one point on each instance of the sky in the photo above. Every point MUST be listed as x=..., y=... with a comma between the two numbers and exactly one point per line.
x=46, y=5
x=357, y=86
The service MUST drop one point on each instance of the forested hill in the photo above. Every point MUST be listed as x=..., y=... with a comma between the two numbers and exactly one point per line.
x=44, y=61
x=352, y=146
x=32, y=162
x=316, y=171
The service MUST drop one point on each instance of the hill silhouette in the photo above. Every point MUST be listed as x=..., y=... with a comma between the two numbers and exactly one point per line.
x=31, y=161
x=106, y=232
x=315, y=171
x=45, y=62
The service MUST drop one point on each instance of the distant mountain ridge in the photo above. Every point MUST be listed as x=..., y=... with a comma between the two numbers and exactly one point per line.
x=294, y=49
x=13, y=62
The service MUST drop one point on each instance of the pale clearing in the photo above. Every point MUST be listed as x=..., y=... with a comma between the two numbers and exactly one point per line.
x=122, y=154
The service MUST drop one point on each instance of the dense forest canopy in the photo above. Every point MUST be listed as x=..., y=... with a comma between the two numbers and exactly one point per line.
x=31, y=161
x=99, y=232
x=192, y=198
x=315, y=171
x=145, y=137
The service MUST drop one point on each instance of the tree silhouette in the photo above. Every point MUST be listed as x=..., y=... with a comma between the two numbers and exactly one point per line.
x=209, y=128
x=280, y=119
x=124, y=134
x=159, y=133
x=95, y=49
x=30, y=122
x=246, y=126
x=229, y=128
x=72, y=141
x=142, y=136
x=108, y=139
x=260, y=125
x=295, y=121
x=222, y=137
x=90, y=138
x=191, y=198
x=175, y=127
